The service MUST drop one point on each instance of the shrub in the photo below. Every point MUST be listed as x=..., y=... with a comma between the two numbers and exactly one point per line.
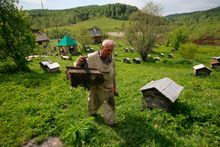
x=150, y=60
x=70, y=56
x=105, y=36
x=188, y=50
x=179, y=61
x=80, y=132
x=178, y=37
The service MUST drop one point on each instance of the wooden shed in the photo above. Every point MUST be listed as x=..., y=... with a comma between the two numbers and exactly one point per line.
x=137, y=60
x=41, y=39
x=161, y=94
x=96, y=33
x=126, y=60
x=67, y=46
x=201, y=70
x=215, y=64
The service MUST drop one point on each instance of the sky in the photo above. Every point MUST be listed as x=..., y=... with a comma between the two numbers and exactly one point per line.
x=170, y=6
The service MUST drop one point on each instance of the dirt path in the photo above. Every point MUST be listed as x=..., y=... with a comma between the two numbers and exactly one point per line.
x=49, y=142
x=119, y=34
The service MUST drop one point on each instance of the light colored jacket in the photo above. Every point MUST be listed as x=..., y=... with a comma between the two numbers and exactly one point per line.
x=108, y=71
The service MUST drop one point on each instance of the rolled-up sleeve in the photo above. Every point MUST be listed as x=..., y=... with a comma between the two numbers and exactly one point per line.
x=76, y=63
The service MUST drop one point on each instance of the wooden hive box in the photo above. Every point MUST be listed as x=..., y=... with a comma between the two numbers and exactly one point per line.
x=170, y=55
x=126, y=49
x=131, y=50
x=216, y=58
x=81, y=77
x=161, y=54
x=44, y=63
x=160, y=94
x=137, y=61
x=157, y=58
x=54, y=67
x=215, y=64
x=201, y=70
x=65, y=57
x=126, y=60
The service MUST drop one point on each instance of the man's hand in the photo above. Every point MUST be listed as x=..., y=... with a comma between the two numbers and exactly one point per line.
x=81, y=59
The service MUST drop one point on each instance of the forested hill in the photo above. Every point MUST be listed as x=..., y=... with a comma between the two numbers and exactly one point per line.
x=195, y=17
x=67, y=17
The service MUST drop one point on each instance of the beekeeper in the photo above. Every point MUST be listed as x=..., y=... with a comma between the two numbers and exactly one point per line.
x=104, y=62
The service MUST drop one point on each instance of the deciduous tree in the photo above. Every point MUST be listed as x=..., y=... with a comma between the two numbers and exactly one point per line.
x=142, y=28
x=83, y=37
x=16, y=39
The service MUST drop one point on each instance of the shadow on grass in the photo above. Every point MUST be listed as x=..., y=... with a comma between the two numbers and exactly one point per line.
x=181, y=108
x=136, y=131
x=28, y=78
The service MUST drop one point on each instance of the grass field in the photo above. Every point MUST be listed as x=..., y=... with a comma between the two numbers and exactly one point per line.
x=38, y=103
x=104, y=23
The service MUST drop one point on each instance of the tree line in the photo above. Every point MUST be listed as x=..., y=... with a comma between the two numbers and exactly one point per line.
x=65, y=17
x=207, y=16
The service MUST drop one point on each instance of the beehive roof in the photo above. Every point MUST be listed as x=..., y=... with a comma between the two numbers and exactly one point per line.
x=215, y=62
x=53, y=65
x=201, y=66
x=165, y=86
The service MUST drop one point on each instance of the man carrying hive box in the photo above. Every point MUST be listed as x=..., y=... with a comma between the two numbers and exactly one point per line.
x=104, y=62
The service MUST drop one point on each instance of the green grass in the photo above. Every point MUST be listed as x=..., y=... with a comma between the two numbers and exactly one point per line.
x=104, y=23
x=42, y=104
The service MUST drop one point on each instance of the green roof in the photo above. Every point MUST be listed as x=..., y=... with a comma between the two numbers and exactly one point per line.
x=67, y=41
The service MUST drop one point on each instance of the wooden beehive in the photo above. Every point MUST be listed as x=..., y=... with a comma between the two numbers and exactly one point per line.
x=201, y=70
x=215, y=64
x=157, y=58
x=126, y=60
x=161, y=54
x=54, y=67
x=80, y=77
x=173, y=50
x=137, y=60
x=126, y=49
x=131, y=50
x=65, y=57
x=160, y=94
x=49, y=66
x=170, y=55
x=44, y=63
x=216, y=58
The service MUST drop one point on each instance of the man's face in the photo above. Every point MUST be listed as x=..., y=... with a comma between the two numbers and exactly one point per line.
x=107, y=51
